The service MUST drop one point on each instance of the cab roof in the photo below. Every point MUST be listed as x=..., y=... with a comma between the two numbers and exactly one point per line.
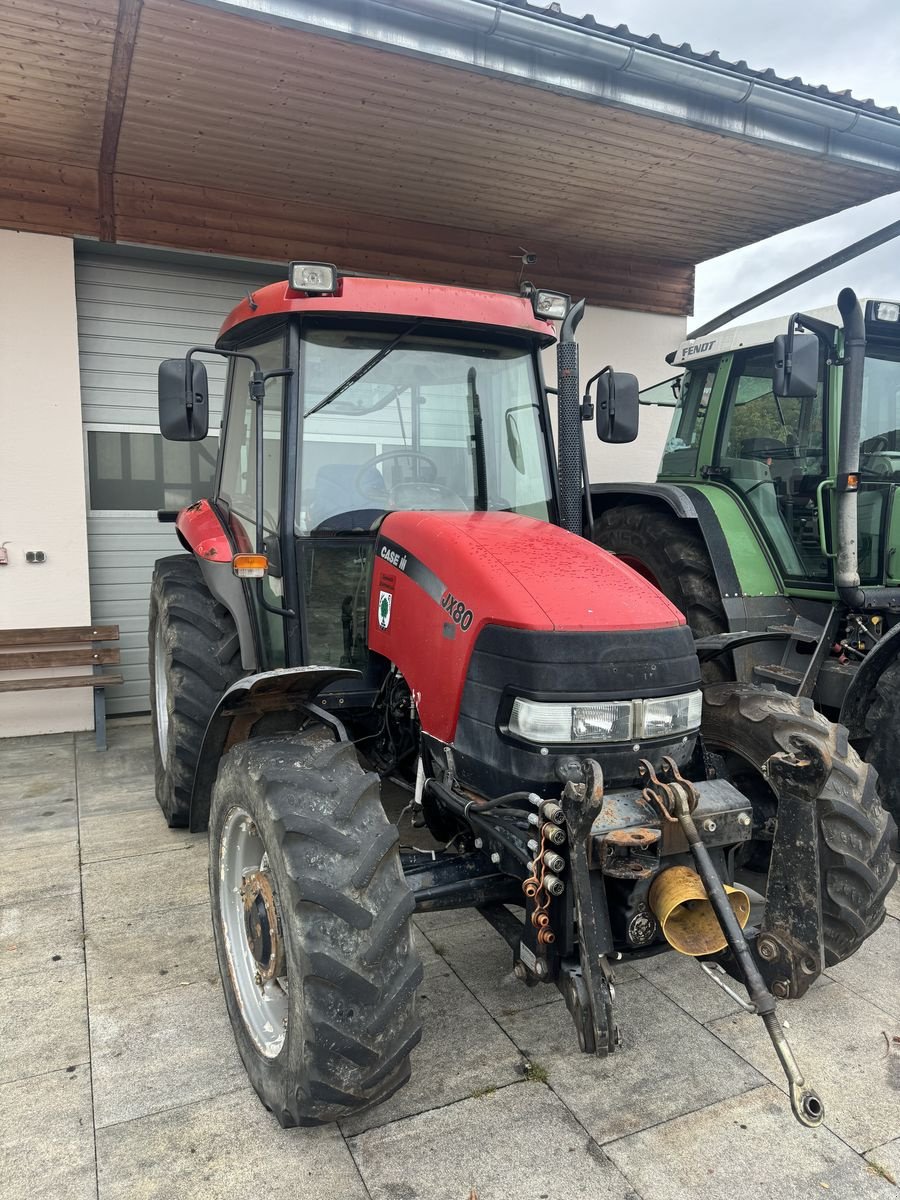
x=360, y=296
x=759, y=333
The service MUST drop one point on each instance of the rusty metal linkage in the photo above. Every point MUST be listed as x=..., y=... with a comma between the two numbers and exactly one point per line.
x=677, y=796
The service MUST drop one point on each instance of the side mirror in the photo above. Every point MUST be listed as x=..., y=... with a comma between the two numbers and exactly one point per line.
x=795, y=365
x=183, y=400
x=618, y=400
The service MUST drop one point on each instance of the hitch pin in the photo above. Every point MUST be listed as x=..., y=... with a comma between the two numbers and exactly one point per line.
x=716, y=972
x=806, y=1103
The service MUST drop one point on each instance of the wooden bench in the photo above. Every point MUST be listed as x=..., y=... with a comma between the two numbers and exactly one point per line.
x=70, y=646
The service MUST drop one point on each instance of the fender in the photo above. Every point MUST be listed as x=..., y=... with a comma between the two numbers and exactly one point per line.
x=287, y=689
x=689, y=506
x=862, y=686
x=204, y=532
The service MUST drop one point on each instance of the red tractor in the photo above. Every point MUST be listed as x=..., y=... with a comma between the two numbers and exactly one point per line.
x=389, y=593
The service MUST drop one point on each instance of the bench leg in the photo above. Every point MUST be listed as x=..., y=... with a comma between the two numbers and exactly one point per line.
x=100, y=717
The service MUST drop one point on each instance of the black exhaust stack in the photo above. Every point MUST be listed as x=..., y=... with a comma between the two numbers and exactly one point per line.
x=569, y=450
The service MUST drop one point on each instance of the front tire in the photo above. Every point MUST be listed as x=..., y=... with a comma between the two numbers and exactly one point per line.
x=320, y=978
x=672, y=555
x=748, y=725
x=883, y=727
x=194, y=657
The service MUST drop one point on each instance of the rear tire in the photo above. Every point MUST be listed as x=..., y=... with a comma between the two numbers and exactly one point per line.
x=671, y=553
x=883, y=727
x=194, y=657
x=342, y=913
x=855, y=865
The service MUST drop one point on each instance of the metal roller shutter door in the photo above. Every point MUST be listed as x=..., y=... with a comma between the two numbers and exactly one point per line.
x=134, y=311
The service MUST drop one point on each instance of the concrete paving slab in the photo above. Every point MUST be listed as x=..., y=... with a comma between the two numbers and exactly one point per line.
x=667, y=1063
x=682, y=980
x=21, y=757
x=130, y=795
x=120, y=733
x=143, y=830
x=483, y=960
x=117, y=769
x=873, y=972
x=748, y=1147
x=42, y=935
x=519, y=1141
x=839, y=1042
x=436, y=922
x=35, y=874
x=145, y=883
x=43, y=1023
x=885, y=1161
x=893, y=900
x=153, y=952
x=462, y=1051
x=30, y=822
x=221, y=1149
x=157, y=1051
x=46, y=1138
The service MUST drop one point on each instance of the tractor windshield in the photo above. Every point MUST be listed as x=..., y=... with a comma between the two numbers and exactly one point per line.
x=880, y=426
x=430, y=421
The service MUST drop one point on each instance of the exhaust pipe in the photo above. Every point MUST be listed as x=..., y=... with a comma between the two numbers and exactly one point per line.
x=846, y=575
x=568, y=434
x=686, y=917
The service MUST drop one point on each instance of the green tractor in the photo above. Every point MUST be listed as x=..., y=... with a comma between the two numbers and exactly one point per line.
x=774, y=523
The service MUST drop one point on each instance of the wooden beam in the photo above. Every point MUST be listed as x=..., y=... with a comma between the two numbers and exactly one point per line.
x=116, y=94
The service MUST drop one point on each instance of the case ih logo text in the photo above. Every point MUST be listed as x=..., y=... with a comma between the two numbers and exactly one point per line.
x=394, y=558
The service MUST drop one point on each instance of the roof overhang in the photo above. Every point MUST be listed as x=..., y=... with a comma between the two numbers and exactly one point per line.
x=538, y=48
x=437, y=140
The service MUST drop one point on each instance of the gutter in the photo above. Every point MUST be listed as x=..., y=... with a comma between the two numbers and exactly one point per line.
x=542, y=50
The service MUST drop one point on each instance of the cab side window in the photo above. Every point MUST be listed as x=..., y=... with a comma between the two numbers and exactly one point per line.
x=688, y=419
x=772, y=451
x=237, y=485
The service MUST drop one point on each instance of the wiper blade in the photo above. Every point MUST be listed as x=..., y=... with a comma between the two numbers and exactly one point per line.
x=361, y=371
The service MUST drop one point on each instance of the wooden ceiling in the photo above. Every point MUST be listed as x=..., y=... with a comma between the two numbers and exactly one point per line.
x=177, y=124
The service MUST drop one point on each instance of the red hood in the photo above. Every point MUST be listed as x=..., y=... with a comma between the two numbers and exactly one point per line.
x=439, y=578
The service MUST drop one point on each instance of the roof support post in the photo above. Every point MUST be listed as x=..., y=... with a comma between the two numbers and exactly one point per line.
x=116, y=93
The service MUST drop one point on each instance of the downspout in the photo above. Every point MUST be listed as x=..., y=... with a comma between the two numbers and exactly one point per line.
x=847, y=563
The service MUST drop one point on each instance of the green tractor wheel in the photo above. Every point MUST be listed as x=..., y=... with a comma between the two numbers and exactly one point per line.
x=672, y=556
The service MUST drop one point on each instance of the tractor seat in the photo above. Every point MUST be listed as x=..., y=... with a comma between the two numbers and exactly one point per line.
x=337, y=502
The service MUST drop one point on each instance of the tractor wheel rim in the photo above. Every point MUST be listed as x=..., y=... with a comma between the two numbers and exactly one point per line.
x=247, y=899
x=161, y=693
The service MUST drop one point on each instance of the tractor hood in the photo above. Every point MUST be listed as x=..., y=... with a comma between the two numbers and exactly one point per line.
x=439, y=579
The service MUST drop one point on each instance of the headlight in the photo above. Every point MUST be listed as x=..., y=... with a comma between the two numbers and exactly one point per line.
x=673, y=714
x=605, y=720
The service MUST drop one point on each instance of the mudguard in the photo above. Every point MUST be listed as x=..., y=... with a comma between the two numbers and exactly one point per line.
x=685, y=503
x=286, y=689
x=859, y=694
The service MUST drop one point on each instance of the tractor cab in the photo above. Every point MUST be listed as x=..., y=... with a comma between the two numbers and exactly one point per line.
x=774, y=443
x=375, y=396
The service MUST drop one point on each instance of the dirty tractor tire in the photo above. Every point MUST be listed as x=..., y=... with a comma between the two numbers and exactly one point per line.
x=311, y=916
x=747, y=725
x=883, y=727
x=670, y=553
x=194, y=657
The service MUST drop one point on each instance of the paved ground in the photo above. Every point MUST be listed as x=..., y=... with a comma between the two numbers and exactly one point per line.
x=119, y=1076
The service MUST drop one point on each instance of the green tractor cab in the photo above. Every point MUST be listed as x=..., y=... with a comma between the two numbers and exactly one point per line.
x=774, y=523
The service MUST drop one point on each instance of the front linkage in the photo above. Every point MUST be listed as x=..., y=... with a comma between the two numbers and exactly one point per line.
x=570, y=852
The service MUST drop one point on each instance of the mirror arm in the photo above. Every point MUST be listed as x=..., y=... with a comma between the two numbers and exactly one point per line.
x=587, y=405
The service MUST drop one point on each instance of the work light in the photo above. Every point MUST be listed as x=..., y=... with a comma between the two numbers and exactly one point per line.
x=884, y=310
x=552, y=306
x=313, y=277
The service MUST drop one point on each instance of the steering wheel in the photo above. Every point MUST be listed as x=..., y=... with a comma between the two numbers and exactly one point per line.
x=368, y=492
